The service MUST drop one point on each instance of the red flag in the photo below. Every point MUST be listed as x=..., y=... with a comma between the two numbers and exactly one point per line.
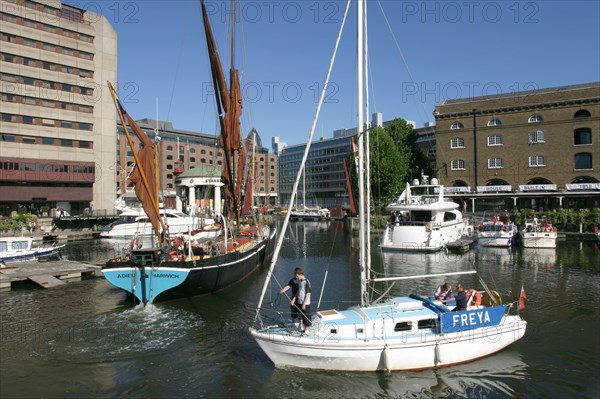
x=522, y=298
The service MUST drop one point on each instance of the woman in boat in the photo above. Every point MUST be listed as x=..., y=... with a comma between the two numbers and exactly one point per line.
x=443, y=292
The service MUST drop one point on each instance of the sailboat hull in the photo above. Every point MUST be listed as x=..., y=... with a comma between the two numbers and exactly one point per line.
x=167, y=280
x=386, y=353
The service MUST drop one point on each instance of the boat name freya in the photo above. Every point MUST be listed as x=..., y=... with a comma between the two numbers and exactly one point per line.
x=471, y=319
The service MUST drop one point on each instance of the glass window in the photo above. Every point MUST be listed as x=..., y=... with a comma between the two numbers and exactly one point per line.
x=27, y=119
x=457, y=142
x=457, y=164
x=583, y=136
x=495, y=163
x=457, y=125
x=535, y=137
x=169, y=157
x=582, y=113
x=47, y=140
x=494, y=122
x=85, y=144
x=66, y=143
x=583, y=160
x=535, y=118
x=537, y=160
x=495, y=140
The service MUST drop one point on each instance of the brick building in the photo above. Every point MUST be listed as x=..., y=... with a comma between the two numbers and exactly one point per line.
x=536, y=149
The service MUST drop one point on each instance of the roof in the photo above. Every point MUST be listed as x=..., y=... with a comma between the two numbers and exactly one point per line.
x=202, y=171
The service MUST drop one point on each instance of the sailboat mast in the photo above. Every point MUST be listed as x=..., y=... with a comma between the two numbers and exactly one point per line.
x=361, y=150
x=368, y=147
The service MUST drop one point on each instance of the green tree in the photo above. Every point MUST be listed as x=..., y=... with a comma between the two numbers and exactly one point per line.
x=388, y=166
x=404, y=137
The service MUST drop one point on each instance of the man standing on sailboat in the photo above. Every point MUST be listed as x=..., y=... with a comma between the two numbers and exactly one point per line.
x=300, y=301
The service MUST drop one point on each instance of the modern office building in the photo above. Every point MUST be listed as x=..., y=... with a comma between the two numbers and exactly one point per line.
x=324, y=180
x=536, y=149
x=58, y=124
x=180, y=150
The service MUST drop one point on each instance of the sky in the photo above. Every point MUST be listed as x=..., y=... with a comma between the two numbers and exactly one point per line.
x=420, y=53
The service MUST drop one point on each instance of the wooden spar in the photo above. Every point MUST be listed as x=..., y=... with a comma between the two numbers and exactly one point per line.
x=153, y=197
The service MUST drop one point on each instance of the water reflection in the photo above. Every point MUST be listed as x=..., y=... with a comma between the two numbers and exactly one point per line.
x=89, y=337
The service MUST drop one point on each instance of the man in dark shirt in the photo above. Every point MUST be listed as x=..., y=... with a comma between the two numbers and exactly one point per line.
x=300, y=301
x=460, y=297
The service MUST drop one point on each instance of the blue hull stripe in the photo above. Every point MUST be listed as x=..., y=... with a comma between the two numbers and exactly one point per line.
x=156, y=282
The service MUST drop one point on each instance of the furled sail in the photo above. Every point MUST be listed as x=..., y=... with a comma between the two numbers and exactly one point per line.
x=229, y=107
x=144, y=174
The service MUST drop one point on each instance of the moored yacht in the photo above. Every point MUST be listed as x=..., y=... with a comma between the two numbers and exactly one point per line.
x=134, y=222
x=423, y=220
x=538, y=234
x=497, y=231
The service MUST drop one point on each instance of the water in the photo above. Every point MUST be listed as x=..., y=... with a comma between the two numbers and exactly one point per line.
x=87, y=339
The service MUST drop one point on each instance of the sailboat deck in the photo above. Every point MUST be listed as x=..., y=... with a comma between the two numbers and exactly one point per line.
x=395, y=309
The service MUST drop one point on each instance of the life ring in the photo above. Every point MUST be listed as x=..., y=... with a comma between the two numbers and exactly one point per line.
x=476, y=297
x=505, y=228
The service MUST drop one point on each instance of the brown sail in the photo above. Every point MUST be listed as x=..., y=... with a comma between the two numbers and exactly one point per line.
x=144, y=173
x=229, y=107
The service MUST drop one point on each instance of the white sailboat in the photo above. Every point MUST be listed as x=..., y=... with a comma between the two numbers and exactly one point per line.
x=308, y=213
x=399, y=334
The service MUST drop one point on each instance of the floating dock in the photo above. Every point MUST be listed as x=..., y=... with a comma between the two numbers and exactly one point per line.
x=45, y=274
x=463, y=244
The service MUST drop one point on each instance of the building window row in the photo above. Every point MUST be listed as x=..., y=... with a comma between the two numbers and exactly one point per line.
x=582, y=113
x=24, y=139
x=44, y=167
x=10, y=98
x=7, y=37
x=31, y=120
x=47, y=27
x=582, y=161
x=46, y=84
x=581, y=136
x=51, y=66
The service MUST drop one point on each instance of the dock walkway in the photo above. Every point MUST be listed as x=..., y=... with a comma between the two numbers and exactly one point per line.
x=45, y=274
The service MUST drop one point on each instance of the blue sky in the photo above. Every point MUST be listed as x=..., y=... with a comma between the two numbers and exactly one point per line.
x=452, y=49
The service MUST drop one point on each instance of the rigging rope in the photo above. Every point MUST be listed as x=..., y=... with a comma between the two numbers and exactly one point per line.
x=301, y=169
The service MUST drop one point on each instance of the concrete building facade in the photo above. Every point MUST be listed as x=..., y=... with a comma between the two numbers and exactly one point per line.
x=58, y=123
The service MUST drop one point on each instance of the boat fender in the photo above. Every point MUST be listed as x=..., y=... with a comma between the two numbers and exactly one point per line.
x=173, y=255
x=438, y=357
x=385, y=355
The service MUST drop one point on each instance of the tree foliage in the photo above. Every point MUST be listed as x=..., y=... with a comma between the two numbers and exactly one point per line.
x=395, y=158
